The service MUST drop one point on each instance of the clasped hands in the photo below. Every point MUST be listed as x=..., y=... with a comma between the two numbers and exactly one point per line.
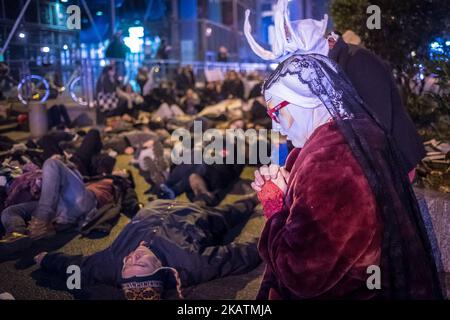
x=278, y=175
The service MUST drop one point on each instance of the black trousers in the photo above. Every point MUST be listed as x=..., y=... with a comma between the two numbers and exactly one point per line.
x=219, y=178
x=50, y=143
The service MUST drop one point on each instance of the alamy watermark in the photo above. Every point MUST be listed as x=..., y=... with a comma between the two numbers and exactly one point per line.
x=374, y=20
x=74, y=17
x=74, y=277
x=230, y=146
x=373, y=282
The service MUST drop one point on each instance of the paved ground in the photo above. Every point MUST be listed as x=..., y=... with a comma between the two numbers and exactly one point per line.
x=24, y=281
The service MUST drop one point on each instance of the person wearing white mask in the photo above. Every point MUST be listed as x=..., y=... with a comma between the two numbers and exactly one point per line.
x=301, y=115
x=341, y=205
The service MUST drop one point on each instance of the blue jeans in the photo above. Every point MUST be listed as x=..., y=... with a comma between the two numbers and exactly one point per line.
x=64, y=199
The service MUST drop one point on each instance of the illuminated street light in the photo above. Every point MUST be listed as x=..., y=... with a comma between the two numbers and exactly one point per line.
x=135, y=41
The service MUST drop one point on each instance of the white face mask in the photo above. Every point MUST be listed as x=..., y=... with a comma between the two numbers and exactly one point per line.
x=305, y=121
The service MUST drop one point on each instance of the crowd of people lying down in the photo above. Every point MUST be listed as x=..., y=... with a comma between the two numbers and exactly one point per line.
x=66, y=181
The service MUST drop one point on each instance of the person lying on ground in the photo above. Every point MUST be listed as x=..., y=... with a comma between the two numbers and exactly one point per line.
x=208, y=182
x=129, y=142
x=65, y=202
x=83, y=153
x=166, y=243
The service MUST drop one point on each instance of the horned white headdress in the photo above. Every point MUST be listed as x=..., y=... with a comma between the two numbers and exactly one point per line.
x=301, y=36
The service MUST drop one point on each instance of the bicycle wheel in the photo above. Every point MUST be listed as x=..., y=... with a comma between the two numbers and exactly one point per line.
x=76, y=92
x=33, y=88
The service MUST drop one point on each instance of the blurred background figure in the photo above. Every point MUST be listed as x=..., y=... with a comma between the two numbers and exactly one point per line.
x=222, y=55
x=117, y=51
x=233, y=87
x=163, y=50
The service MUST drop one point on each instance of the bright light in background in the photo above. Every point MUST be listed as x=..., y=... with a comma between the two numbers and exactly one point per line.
x=135, y=41
x=45, y=49
x=208, y=31
x=273, y=66
x=64, y=1
x=134, y=44
x=65, y=47
x=136, y=32
x=21, y=35
x=436, y=47
x=447, y=43
x=99, y=13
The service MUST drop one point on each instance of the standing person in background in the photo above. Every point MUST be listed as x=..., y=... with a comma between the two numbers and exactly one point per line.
x=373, y=80
x=142, y=78
x=117, y=51
x=222, y=55
x=163, y=54
x=163, y=50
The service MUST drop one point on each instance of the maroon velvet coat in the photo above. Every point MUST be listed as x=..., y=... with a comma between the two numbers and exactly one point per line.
x=319, y=245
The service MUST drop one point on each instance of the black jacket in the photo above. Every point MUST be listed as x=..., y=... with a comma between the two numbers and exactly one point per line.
x=186, y=236
x=373, y=80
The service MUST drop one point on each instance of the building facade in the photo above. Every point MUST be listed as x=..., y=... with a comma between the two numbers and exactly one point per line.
x=42, y=38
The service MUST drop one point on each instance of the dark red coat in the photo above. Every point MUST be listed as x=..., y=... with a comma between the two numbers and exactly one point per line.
x=320, y=244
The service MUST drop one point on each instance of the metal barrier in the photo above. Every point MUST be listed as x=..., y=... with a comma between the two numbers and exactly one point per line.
x=79, y=82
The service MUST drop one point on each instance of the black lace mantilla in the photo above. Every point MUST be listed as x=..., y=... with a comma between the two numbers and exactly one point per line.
x=309, y=72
